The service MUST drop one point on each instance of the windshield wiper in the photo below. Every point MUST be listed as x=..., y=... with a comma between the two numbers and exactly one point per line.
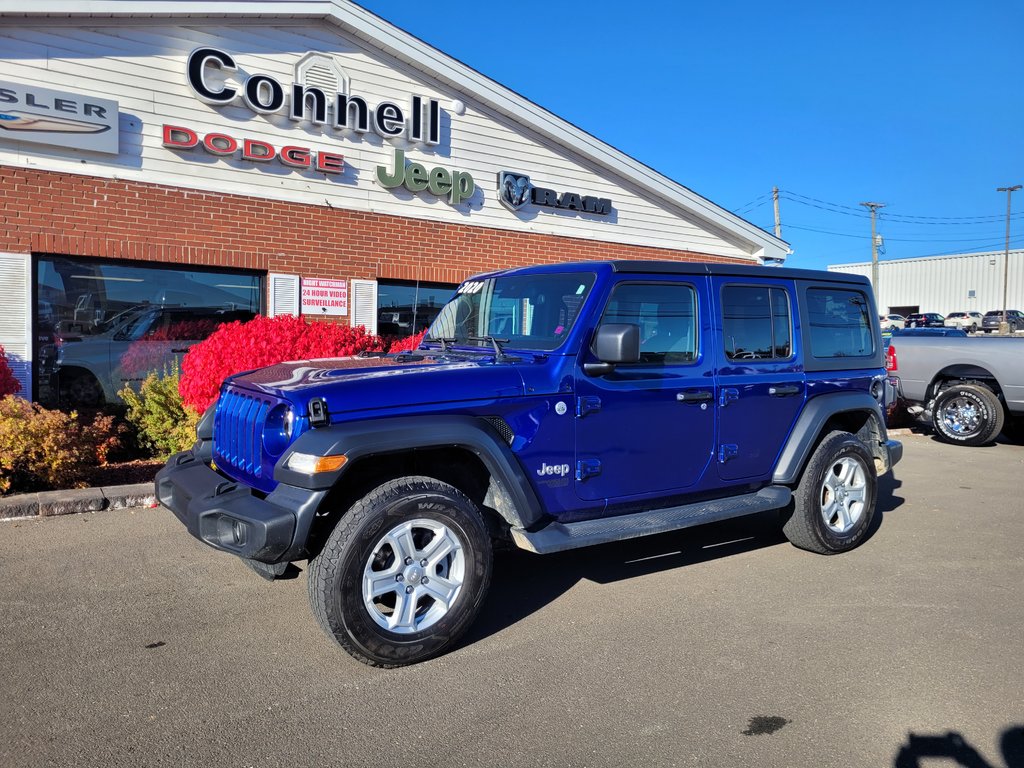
x=444, y=341
x=499, y=353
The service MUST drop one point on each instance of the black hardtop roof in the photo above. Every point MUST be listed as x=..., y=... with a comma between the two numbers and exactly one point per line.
x=684, y=268
x=734, y=270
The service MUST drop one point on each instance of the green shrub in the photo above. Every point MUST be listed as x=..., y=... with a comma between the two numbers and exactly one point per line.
x=164, y=424
x=40, y=448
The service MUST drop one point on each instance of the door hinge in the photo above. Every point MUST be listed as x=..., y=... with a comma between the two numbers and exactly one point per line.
x=727, y=395
x=587, y=468
x=726, y=452
x=587, y=404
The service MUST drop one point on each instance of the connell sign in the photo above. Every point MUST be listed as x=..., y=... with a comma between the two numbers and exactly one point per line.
x=208, y=75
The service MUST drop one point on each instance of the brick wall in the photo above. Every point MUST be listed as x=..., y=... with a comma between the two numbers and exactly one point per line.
x=46, y=212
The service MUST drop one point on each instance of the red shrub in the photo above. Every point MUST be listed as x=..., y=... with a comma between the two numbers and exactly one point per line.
x=8, y=384
x=263, y=341
x=409, y=343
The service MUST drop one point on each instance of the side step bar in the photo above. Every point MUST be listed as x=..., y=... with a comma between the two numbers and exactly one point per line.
x=557, y=537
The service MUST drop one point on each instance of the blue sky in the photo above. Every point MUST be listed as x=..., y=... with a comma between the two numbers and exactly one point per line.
x=918, y=105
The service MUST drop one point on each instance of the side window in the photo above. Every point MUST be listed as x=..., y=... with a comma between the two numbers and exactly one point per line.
x=667, y=316
x=756, y=323
x=839, y=323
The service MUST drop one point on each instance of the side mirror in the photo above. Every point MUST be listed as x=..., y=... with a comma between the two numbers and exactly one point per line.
x=614, y=344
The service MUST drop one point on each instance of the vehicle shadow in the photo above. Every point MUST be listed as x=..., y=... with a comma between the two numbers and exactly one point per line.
x=524, y=583
x=920, y=750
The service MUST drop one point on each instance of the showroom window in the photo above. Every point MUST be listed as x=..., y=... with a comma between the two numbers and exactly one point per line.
x=99, y=325
x=406, y=308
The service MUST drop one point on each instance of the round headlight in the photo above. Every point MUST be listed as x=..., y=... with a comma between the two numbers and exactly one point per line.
x=277, y=429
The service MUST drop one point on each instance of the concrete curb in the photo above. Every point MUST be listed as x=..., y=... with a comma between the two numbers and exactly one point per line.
x=76, y=500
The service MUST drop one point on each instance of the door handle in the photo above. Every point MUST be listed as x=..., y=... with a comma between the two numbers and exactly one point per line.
x=698, y=396
x=182, y=350
x=784, y=390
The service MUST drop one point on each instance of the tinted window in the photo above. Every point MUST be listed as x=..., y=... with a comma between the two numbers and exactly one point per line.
x=404, y=309
x=667, y=316
x=839, y=323
x=756, y=323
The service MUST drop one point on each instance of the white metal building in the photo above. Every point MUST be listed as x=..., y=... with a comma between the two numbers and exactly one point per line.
x=962, y=282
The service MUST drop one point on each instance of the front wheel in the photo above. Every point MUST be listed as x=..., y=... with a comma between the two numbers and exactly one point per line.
x=967, y=414
x=403, y=574
x=834, y=502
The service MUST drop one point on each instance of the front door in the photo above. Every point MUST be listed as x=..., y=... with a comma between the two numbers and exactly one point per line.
x=649, y=427
x=761, y=383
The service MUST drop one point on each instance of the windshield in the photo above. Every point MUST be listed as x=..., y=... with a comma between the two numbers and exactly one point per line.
x=519, y=311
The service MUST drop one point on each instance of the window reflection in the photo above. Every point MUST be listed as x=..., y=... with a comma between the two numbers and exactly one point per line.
x=405, y=309
x=101, y=325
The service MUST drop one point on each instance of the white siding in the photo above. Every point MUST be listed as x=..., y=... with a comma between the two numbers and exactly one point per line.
x=15, y=322
x=943, y=283
x=142, y=66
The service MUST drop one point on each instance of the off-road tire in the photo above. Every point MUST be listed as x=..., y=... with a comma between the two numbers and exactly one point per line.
x=336, y=575
x=983, y=427
x=806, y=527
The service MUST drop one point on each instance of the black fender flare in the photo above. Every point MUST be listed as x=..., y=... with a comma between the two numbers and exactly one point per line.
x=359, y=439
x=816, y=412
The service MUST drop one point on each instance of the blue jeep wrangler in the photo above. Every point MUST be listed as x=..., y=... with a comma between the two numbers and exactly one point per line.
x=550, y=408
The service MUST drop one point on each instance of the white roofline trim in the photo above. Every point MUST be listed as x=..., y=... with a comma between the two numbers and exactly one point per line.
x=463, y=78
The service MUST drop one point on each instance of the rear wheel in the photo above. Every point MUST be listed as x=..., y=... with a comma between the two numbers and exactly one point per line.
x=403, y=574
x=834, y=502
x=79, y=387
x=967, y=414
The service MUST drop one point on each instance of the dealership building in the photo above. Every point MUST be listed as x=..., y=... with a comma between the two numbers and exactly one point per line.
x=170, y=165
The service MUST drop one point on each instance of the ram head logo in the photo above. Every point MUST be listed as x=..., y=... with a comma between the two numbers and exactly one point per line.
x=513, y=190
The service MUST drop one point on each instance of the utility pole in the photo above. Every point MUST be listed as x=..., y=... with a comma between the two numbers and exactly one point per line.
x=874, y=246
x=1004, y=327
x=778, y=221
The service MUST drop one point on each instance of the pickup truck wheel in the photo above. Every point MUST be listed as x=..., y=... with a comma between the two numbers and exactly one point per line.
x=834, y=502
x=403, y=574
x=79, y=388
x=967, y=414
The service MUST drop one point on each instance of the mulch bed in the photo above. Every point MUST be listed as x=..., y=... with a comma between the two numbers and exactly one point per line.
x=123, y=473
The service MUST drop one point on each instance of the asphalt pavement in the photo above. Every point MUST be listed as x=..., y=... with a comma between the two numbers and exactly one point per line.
x=125, y=642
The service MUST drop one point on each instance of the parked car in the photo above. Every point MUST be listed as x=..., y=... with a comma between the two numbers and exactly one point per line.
x=92, y=369
x=967, y=321
x=891, y=322
x=926, y=320
x=992, y=320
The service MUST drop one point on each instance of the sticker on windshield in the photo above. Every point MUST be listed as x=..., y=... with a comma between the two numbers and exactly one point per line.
x=473, y=286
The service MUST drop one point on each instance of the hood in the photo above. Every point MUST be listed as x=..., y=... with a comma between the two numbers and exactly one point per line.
x=365, y=383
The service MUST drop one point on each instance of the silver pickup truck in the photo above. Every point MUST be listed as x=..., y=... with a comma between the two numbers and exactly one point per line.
x=971, y=389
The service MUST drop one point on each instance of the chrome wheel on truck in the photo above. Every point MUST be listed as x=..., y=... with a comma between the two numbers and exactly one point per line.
x=967, y=414
x=404, y=572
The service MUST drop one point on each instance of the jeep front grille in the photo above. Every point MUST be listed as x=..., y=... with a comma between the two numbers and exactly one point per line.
x=238, y=431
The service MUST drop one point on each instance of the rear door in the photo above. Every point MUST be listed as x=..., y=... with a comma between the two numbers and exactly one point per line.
x=761, y=381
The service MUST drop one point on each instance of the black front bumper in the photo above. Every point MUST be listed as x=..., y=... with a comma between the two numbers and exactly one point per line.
x=228, y=516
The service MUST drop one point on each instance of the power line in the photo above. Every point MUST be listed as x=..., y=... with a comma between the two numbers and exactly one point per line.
x=894, y=218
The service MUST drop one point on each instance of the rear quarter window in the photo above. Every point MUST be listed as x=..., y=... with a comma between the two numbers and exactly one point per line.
x=839, y=322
